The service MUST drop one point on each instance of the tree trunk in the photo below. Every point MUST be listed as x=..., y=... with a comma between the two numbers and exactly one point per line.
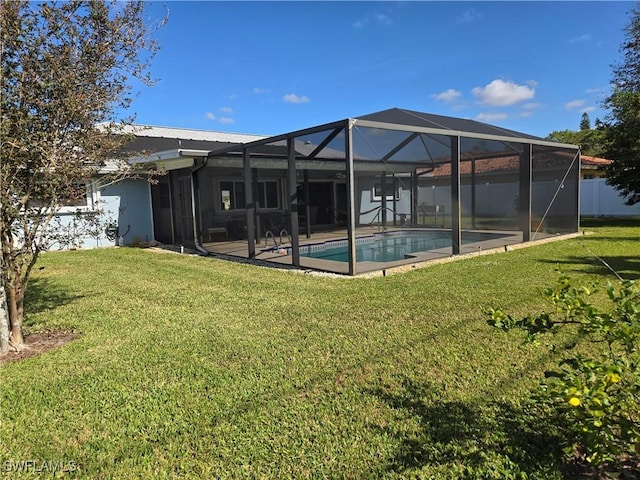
x=16, y=315
x=4, y=319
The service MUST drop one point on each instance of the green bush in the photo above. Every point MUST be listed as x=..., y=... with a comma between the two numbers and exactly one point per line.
x=596, y=387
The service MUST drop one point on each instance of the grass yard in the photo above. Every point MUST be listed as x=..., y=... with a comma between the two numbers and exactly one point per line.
x=192, y=367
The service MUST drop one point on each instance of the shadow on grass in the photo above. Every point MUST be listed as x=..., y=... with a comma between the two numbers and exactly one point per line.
x=594, y=222
x=471, y=440
x=628, y=267
x=42, y=295
x=608, y=238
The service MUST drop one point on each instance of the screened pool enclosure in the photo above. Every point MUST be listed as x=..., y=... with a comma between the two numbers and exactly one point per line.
x=373, y=192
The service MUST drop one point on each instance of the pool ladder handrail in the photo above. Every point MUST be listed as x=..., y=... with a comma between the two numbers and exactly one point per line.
x=268, y=234
x=286, y=234
x=283, y=233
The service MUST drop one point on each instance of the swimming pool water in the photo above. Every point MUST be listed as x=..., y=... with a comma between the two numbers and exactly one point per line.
x=390, y=246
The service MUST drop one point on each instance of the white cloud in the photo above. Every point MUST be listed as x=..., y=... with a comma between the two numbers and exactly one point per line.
x=491, y=117
x=449, y=95
x=501, y=94
x=293, y=98
x=226, y=120
x=374, y=18
x=573, y=104
x=209, y=116
x=260, y=91
x=582, y=38
x=226, y=110
x=588, y=109
x=468, y=16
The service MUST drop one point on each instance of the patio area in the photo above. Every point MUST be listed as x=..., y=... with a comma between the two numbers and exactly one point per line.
x=278, y=250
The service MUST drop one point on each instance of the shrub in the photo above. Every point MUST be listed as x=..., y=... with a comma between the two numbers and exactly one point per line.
x=596, y=387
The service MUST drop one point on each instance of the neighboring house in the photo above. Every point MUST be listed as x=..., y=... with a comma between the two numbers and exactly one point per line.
x=593, y=167
x=498, y=183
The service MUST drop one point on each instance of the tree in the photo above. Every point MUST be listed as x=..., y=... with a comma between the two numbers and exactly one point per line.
x=590, y=141
x=585, y=122
x=596, y=388
x=622, y=124
x=67, y=70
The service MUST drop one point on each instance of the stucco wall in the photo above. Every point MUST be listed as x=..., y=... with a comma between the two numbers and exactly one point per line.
x=129, y=204
x=125, y=205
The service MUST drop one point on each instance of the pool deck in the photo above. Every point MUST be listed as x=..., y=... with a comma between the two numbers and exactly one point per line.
x=265, y=252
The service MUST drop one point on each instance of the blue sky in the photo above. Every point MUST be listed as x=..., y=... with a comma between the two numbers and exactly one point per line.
x=274, y=67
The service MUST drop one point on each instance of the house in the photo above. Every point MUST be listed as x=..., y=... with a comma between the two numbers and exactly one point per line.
x=593, y=167
x=320, y=197
x=299, y=197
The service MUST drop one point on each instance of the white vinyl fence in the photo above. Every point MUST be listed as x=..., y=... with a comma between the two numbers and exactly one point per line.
x=597, y=199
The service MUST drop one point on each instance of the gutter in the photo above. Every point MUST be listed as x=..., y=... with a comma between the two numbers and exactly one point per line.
x=195, y=170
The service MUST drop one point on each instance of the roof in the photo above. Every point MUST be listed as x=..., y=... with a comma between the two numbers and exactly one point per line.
x=401, y=116
x=388, y=123
x=382, y=139
x=147, y=145
x=152, y=139
x=594, y=162
x=154, y=131
x=502, y=164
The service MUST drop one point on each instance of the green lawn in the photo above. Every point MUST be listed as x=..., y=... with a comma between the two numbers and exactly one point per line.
x=192, y=367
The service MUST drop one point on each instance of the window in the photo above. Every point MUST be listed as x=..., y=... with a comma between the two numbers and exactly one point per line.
x=376, y=192
x=268, y=195
x=232, y=195
x=75, y=196
x=78, y=197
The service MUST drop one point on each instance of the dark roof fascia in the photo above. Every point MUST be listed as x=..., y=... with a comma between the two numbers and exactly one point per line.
x=278, y=138
x=457, y=133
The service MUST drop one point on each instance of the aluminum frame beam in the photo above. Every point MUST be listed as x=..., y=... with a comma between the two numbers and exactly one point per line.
x=456, y=235
x=351, y=199
x=457, y=133
x=293, y=203
x=249, y=206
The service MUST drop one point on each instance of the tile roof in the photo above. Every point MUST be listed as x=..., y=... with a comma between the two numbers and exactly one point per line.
x=595, y=161
x=508, y=164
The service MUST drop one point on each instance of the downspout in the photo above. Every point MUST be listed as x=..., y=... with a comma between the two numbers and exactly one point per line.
x=195, y=170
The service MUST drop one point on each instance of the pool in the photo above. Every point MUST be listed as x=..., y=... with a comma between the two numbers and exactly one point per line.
x=390, y=246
